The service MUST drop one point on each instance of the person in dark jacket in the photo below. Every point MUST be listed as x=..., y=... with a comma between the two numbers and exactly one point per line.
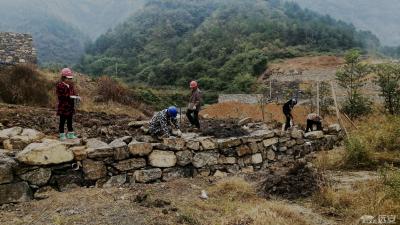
x=287, y=111
x=194, y=105
x=66, y=103
x=313, y=119
x=163, y=123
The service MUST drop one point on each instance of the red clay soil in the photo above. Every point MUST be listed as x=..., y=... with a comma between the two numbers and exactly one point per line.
x=272, y=112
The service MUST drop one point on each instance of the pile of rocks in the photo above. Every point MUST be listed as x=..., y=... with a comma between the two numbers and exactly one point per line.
x=30, y=162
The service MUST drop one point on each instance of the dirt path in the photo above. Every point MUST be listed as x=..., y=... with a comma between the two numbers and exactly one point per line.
x=347, y=179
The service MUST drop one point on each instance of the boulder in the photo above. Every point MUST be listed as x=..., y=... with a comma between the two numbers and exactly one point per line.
x=140, y=148
x=228, y=143
x=271, y=155
x=208, y=143
x=32, y=134
x=46, y=153
x=145, y=176
x=254, y=147
x=72, y=142
x=6, y=173
x=15, y=193
x=202, y=159
x=175, y=143
x=227, y=160
x=116, y=181
x=296, y=134
x=162, y=159
x=10, y=132
x=243, y=150
x=80, y=152
x=314, y=135
x=38, y=177
x=169, y=174
x=270, y=142
x=290, y=143
x=244, y=121
x=334, y=128
x=98, y=149
x=193, y=145
x=264, y=134
x=249, y=169
x=256, y=158
x=93, y=170
x=121, y=151
x=184, y=157
x=130, y=164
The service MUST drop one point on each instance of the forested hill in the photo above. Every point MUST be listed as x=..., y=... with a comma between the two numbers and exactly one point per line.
x=61, y=27
x=215, y=41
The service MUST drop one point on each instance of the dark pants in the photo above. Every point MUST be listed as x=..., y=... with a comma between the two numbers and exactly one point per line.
x=311, y=123
x=62, y=123
x=288, y=118
x=194, y=120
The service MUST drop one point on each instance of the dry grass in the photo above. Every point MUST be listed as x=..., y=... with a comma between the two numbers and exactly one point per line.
x=366, y=198
x=329, y=160
x=235, y=202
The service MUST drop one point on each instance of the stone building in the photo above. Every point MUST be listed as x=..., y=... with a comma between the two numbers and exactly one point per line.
x=16, y=48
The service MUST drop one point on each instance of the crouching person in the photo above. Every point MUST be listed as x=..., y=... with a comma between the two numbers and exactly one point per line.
x=313, y=119
x=66, y=103
x=164, y=122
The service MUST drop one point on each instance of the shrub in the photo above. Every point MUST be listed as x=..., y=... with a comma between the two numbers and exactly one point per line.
x=357, y=155
x=23, y=84
x=110, y=89
x=391, y=178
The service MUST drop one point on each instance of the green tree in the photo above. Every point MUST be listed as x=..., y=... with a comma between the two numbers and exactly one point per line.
x=243, y=83
x=351, y=77
x=388, y=77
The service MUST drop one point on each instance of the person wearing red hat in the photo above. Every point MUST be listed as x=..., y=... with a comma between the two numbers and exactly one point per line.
x=66, y=103
x=195, y=100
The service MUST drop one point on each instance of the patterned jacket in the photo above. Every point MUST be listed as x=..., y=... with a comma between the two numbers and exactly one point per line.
x=161, y=124
x=66, y=105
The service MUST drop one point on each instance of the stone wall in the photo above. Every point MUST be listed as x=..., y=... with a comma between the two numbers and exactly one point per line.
x=242, y=98
x=30, y=162
x=16, y=48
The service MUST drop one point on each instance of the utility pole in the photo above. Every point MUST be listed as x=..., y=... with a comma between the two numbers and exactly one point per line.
x=116, y=69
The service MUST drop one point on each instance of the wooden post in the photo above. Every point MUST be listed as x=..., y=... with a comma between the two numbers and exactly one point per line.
x=318, y=112
x=337, y=109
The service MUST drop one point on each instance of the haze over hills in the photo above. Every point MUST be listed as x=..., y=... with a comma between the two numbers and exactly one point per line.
x=60, y=28
x=218, y=42
x=379, y=16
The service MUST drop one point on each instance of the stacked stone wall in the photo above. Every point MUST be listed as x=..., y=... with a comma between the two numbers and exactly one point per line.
x=16, y=48
x=30, y=162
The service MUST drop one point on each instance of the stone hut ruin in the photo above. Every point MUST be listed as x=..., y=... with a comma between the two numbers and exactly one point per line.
x=16, y=48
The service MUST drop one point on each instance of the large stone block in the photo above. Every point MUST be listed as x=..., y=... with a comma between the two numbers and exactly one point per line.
x=334, y=128
x=121, y=151
x=176, y=173
x=184, y=157
x=175, y=143
x=93, y=170
x=271, y=155
x=264, y=134
x=162, y=159
x=208, y=143
x=254, y=147
x=10, y=132
x=98, y=149
x=38, y=177
x=271, y=141
x=256, y=158
x=243, y=150
x=15, y=193
x=193, y=145
x=130, y=164
x=140, y=148
x=6, y=174
x=46, y=153
x=227, y=160
x=202, y=159
x=314, y=135
x=145, y=176
x=228, y=143
x=80, y=152
x=297, y=134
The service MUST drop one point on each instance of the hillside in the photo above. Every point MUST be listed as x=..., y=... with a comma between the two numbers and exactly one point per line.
x=216, y=42
x=381, y=17
x=61, y=28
